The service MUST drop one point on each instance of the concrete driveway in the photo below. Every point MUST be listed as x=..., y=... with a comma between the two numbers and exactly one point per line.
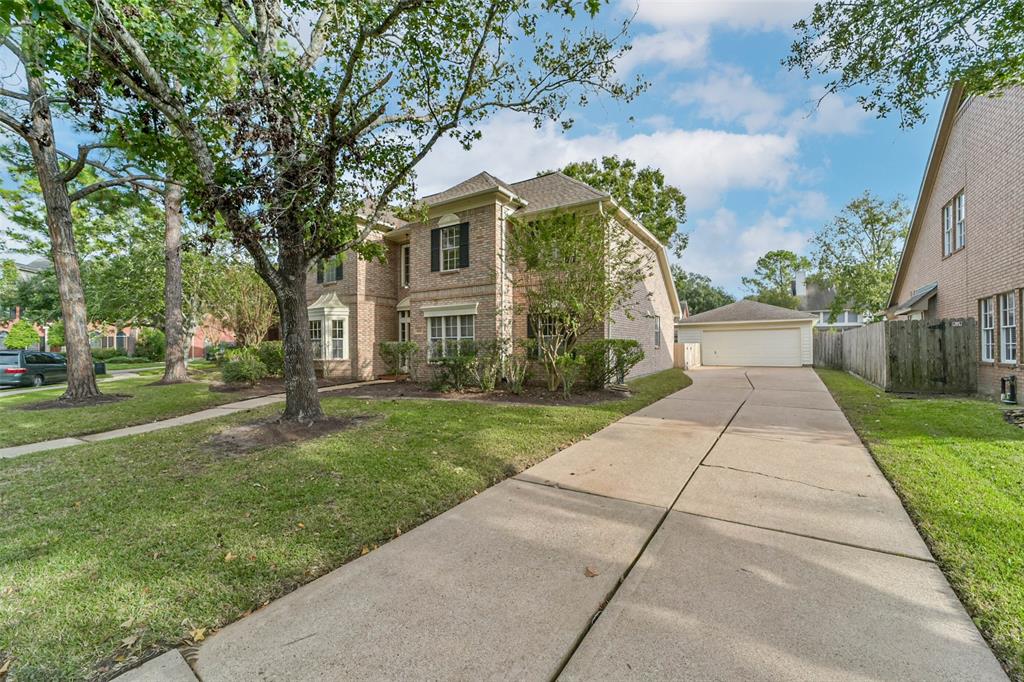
x=735, y=530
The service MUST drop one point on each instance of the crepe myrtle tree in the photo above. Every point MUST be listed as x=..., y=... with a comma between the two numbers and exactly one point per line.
x=573, y=271
x=32, y=93
x=306, y=119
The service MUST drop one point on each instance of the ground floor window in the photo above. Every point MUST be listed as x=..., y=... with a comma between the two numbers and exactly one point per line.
x=988, y=331
x=338, y=339
x=447, y=333
x=1008, y=327
x=316, y=338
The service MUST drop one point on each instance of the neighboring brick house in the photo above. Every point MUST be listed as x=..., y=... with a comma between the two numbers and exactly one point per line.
x=965, y=250
x=446, y=278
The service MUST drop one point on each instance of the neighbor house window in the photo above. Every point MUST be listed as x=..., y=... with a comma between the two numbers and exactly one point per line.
x=988, y=331
x=947, y=229
x=338, y=339
x=406, y=263
x=1008, y=327
x=960, y=204
x=316, y=338
x=447, y=333
x=657, y=331
x=852, y=318
x=450, y=248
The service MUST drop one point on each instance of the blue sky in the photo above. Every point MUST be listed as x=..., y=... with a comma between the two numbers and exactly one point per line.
x=761, y=166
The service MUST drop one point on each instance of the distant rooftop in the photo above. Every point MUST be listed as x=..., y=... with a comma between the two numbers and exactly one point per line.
x=748, y=311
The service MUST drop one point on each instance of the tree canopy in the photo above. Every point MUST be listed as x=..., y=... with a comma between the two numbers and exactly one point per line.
x=774, y=274
x=21, y=335
x=858, y=253
x=905, y=52
x=641, y=191
x=698, y=291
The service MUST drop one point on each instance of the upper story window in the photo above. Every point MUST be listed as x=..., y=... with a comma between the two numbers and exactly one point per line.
x=1008, y=327
x=954, y=224
x=657, y=331
x=330, y=270
x=988, y=331
x=449, y=247
x=406, y=264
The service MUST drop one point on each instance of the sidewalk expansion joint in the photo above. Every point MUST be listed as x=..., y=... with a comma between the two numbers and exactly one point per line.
x=809, y=537
x=782, y=478
x=643, y=548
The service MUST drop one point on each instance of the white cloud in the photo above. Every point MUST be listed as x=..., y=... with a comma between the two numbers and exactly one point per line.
x=725, y=249
x=703, y=163
x=729, y=95
x=680, y=49
x=833, y=115
x=736, y=14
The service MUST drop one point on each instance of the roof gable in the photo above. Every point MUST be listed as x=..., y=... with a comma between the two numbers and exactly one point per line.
x=746, y=310
x=481, y=182
x=555, y=189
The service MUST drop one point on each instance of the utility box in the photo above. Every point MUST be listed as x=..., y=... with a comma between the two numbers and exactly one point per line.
x=1008, y=390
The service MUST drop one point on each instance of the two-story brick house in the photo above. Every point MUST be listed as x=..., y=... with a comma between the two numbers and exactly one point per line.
x=964, y=255
x=446, y=278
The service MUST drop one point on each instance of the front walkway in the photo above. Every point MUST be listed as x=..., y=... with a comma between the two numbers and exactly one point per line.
x=735, y=530
x=191, y=418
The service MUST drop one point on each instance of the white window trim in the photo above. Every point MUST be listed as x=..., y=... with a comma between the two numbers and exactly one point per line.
x=325, y=310
x=344, y=339
x=445, y=250
x=988, y=349
x=1004, y=337
x=657, y=332
x=405, y=260
x=318, y=348
x=444, y=338
x=947, y=229
x=960, y=202
x=445, y=309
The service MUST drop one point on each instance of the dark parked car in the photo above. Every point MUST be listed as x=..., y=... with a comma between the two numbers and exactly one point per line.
x=31, y=368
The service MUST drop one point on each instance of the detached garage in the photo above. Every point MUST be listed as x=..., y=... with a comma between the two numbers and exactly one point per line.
x=752, y=334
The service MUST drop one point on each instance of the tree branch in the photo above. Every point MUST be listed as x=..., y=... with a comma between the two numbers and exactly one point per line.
x=135, y=180
x=81, y=160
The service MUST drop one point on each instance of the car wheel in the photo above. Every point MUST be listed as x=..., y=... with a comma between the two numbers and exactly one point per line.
x=37, y=380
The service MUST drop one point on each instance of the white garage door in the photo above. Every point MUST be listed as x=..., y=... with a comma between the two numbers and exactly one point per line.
x=754, y=347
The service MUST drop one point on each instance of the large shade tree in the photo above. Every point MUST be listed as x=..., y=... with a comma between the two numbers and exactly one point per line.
x=899, y=54
x=698, y=291
x=858, y=253
x=774, y=274
x=305, y=120
x=660, y=207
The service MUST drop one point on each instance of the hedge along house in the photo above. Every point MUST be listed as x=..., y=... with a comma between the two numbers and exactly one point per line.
x=446, y=279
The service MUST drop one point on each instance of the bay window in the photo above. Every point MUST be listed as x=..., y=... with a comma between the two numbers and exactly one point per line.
x=316, y=338
x=338, y=339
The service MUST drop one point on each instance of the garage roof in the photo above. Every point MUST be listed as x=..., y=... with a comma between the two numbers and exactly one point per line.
x=747, y=311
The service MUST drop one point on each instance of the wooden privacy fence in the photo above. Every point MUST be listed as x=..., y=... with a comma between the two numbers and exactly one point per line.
x=906, y=356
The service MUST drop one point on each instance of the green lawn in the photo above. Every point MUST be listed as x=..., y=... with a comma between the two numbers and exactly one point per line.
x=153, y=536
x=147, y=403
x=959, y=468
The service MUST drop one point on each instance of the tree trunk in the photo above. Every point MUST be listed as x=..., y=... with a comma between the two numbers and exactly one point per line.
x=175, y=371
x=302, y=401
x=81, y=376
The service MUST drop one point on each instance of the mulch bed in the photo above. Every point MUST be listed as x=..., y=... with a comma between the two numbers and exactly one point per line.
x=265, y=387
x=265, y=433
x=531, y=395
x=103, y=399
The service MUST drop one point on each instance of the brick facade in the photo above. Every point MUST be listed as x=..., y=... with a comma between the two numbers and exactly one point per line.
x=979, y=150
x=373, y=292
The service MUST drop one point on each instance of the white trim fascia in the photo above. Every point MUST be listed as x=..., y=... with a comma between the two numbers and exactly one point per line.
x=810, y=321
x=510, y=197
x=443, y=309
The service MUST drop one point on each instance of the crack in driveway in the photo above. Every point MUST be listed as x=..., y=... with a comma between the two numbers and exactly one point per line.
x=782, y=478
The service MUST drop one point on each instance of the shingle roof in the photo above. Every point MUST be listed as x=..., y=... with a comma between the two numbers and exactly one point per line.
x=478, y=183
x=554, y=189
x=918, y=300
x=747, y=311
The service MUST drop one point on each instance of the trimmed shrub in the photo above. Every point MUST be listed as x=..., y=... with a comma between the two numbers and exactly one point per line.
x=104, y=354
x=271, y=354
x=570, y=368
x=486, y=365
x=55, y=334
x=245, y=370
x=21, y=335
x=127, y=360
x=608, y=361
x=626, y=354
x=517, y=365
x=455, y=370
x=152, y=343
x=394, y=352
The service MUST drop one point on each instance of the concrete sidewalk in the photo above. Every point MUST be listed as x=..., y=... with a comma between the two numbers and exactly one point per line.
x=735, y=530
x=202, y=415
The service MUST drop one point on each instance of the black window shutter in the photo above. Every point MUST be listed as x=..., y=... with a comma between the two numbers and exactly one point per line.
x=464, y=245
x=320, y=272
x=339, y=270
x=435, y=249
